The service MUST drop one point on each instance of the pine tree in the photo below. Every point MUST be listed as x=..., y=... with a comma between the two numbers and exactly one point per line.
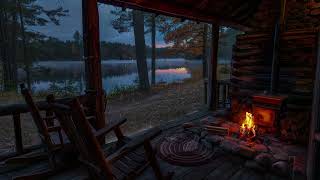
x=125, y=21
x=15, y=18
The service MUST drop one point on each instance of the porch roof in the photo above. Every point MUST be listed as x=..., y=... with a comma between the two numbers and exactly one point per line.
x=234, y=13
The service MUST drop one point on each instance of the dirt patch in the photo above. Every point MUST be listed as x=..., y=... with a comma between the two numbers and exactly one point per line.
x=158, y=108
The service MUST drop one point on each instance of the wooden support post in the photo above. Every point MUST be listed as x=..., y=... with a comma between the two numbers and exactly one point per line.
x=91, y=45
x=153, y=44
x=224, y=95
x=314, y=124
x=17, y=133
x=204, y=61
x=213, y=100
x=205, y=82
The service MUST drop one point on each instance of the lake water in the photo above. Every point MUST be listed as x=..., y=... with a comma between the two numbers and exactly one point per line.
x=69, y=75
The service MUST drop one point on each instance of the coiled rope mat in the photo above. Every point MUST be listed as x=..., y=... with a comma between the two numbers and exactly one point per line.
x=184, y=149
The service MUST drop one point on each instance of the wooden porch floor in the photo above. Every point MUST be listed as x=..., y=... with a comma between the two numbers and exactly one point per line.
x=223, y=166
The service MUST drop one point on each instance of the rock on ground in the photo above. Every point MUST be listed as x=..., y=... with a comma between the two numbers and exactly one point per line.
x=264, y=159
x=281, y=168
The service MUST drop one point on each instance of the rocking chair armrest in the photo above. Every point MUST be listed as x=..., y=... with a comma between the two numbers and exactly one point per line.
x=110, y=127
x=134, y=144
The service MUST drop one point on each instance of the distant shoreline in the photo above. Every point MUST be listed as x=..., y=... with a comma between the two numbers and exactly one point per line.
x=67, y=59
x=221, y=60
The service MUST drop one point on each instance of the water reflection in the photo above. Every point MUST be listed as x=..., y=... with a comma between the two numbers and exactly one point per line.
x=51, y=75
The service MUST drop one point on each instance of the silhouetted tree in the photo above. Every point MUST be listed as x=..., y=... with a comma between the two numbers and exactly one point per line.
x=123, y=23
x=138, y=28
x=30, y=14
x=8, y=33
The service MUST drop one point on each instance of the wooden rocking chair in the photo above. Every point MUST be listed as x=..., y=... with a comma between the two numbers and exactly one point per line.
x=125, y=163
x=52, y=138
x=45, y=125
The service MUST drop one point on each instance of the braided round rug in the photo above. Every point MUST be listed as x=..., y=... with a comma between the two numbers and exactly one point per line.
x=184, y=149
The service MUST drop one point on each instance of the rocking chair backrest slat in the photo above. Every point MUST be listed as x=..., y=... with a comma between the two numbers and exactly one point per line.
x=91, y=143
x=35, y=113
x=63, y=114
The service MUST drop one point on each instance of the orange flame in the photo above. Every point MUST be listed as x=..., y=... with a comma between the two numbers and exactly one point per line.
x=248, y=126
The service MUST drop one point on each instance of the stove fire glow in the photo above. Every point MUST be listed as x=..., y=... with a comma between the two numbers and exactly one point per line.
x=248, y=128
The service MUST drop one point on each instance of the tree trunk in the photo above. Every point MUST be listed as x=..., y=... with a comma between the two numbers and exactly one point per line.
x=153, y=60
x=8, y=49
x=3, y=46
x=138, y=26
x=25, y=57
x=12, y=52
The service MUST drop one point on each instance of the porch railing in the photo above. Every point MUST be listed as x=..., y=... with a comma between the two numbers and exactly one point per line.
x=224, y=98
x=223, y=93
x=15, y=111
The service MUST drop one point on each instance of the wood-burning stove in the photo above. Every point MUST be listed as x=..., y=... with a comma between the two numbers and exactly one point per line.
x=268, y=110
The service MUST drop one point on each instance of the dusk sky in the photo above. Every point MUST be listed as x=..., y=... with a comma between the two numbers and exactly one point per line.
x=72, y=22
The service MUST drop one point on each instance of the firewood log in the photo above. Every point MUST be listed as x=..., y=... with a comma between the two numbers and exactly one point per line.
x=216, y=130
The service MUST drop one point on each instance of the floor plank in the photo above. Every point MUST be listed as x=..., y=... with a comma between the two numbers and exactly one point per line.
x=238, y=175
x=252, y=175
x=227, y=169
x=202, y=171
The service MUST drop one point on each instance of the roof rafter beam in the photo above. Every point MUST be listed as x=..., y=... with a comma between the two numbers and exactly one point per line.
x=171, y=9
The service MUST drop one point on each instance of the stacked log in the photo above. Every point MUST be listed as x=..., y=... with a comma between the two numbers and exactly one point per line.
x=297, y=58
x=251, y=68
x=295, y=127
x=301, y=15
x=216, y=130
x=313, y=8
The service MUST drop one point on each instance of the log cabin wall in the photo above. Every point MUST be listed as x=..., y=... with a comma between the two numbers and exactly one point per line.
x=252, y=60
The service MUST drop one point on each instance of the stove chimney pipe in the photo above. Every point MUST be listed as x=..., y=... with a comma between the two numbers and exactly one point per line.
x=279, y=27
